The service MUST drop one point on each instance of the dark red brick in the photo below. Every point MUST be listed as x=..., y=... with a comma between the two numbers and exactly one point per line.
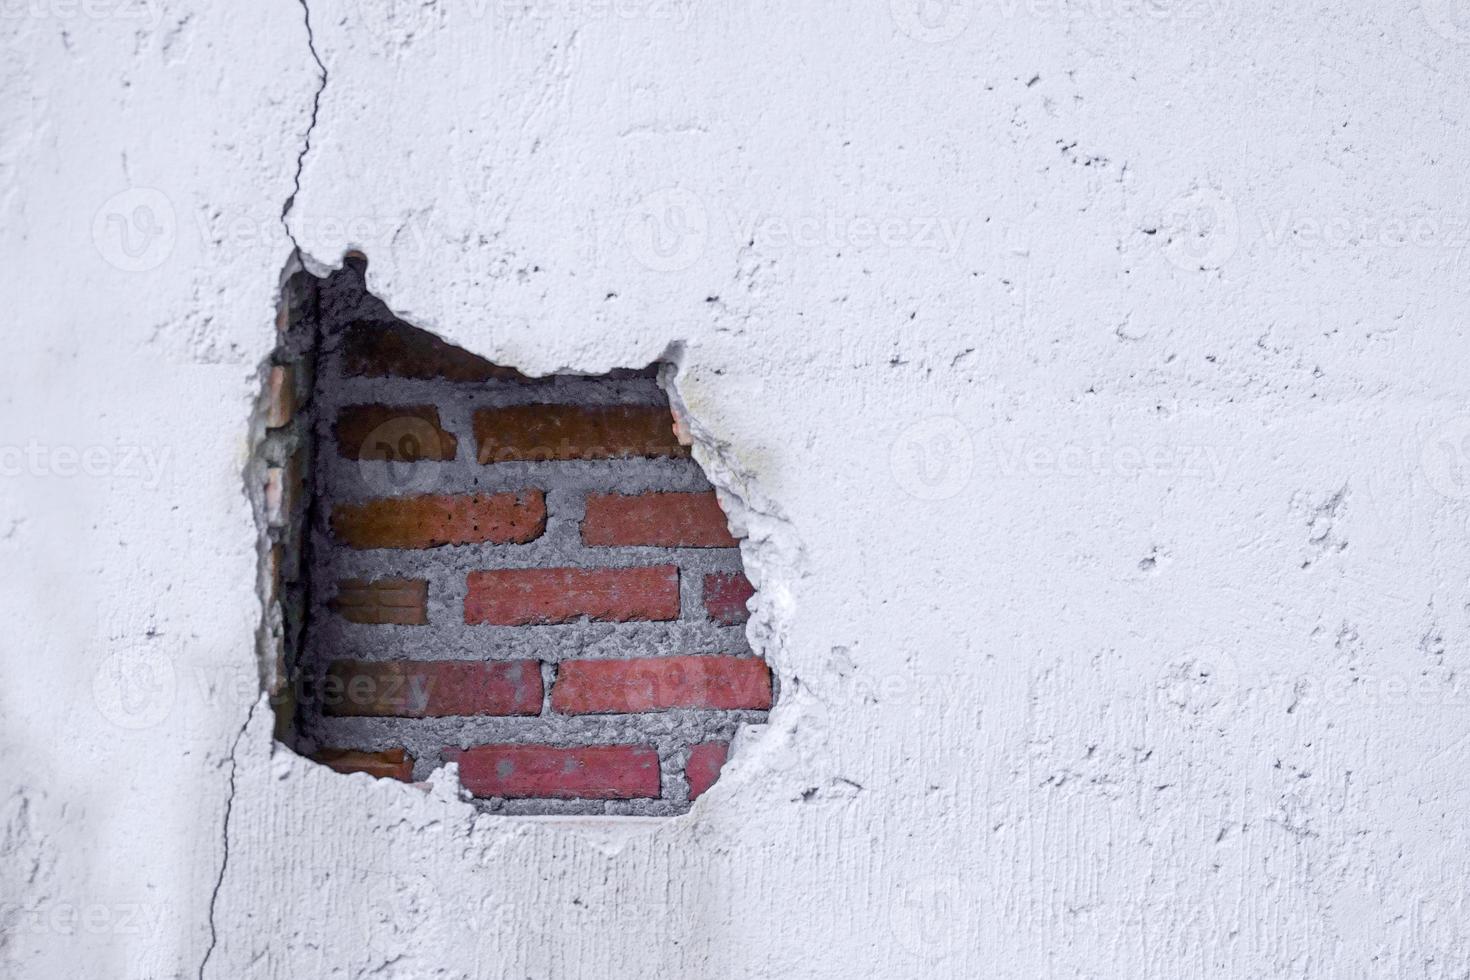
x=432, y=689
x=434, y=520
x=704, y=765
x=659, y=683
x=663, y=520
x=378, y=349
x=526, y=596
x=388, y=764
x=563, y=432
x=398, y=433
x=725, y=597
x=601, y=772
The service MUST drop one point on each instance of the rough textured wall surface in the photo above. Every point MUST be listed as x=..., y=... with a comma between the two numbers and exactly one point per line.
x=1087, y=382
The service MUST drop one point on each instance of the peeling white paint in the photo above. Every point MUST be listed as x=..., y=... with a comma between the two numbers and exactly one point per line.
x=1105, y=359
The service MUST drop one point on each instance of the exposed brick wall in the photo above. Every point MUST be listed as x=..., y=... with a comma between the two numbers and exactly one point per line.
x=531, y=577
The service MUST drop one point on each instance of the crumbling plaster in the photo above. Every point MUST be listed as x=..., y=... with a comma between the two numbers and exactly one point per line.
x=1089, y=378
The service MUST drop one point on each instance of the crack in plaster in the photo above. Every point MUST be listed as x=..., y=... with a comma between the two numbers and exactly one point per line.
x=316, y=104
x=224, y=863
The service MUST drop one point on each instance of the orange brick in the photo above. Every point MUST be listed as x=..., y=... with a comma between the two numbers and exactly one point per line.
x=665, y=520
x=528, y=596
x=389, y=764
x=562, y=432
x=434, y=520
x=396, y=601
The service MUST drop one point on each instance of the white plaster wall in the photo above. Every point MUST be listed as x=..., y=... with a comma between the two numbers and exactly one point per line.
x=1090, y=376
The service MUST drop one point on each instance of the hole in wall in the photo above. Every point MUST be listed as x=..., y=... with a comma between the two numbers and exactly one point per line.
x=529, y=576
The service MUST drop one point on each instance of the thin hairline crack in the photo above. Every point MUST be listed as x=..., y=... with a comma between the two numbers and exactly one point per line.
x=316, y=104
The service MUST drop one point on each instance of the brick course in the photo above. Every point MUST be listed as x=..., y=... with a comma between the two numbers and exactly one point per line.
x=602, y=772
x=537, y=596
x=660, y=683
x=384, y=601
x=432, y=689
x=390, y=764
x=433, y=520
x=563, y=432
x=401, y=433
x=664, y=520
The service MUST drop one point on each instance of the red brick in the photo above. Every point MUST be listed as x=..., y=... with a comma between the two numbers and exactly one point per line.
x=432, y=689
x=526, y=596
x=399, y=433
x=725, y=597
x=395, y=601
x=663, y=520
x=585, y=687
x=562, y=432
x=601, y=772
x=434, y=520
x=704, y=765
x=397, y=350
x=389, y=764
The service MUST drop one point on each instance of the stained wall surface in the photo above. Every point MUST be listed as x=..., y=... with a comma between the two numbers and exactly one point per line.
x=1086, y=382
